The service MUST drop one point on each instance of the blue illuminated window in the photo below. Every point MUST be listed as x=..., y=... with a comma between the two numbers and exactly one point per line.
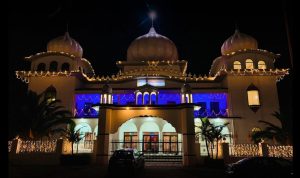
x=84, y=105
x=153, y=99
x=146, y=98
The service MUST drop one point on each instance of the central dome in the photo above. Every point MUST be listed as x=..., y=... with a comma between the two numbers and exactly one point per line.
x=152, y=46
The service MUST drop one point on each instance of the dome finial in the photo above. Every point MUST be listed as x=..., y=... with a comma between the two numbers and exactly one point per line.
x=236, y=27
x=152, y=15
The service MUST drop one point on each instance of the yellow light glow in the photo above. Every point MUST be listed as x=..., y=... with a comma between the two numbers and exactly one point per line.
x=253, y=97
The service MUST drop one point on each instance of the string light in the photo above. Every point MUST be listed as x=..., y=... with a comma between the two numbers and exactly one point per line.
x=244, y=150
x=280, y=151
x=9, y=146
x=36, y=146
x=41, y=54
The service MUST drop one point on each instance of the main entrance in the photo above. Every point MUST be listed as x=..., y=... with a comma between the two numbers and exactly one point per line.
x=150, y=142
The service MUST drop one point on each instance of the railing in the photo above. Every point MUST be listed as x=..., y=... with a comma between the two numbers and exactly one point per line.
x=150, y=148
x=36, y=146
x=280, y=151
x=244, y=150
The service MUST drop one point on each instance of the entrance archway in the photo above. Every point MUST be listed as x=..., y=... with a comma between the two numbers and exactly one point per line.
x=148, y=134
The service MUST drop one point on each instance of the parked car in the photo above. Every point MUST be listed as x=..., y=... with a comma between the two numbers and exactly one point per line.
x=270, y=167
x=129, y=160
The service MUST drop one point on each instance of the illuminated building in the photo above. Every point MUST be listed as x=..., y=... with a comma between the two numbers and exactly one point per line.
x=152, y=103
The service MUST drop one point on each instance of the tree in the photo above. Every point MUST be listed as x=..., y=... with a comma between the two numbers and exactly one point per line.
x=40, y=117
x=217, y=135
x=204, y=131
x=73, y=135
x=274, y=132
x=212, y=134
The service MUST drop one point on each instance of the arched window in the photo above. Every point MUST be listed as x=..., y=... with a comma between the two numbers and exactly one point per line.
x=146, y=98
x=41, y=67
x=50, y=93
x=237, y=65
x=65, y=67
x=139, y=98
x=249, y=64
x=153, y=98
x=53, y=66
x=253, y=97
x=262, y=65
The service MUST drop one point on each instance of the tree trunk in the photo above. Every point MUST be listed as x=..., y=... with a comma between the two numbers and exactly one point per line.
x=72, y=143
x=206, y=144
x=217, y=149
x=212, y=149
x=77, y=146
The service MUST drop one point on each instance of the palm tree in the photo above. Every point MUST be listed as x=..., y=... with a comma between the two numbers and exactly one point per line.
x=39, y=117
x=212, y=134
x=274, y=132
x=73, y=136
x=217, y=135
x=204, y=131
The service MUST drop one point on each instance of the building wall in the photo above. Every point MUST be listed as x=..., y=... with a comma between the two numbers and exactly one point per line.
x=238, y=103
x=65, y=88
x=48, y=59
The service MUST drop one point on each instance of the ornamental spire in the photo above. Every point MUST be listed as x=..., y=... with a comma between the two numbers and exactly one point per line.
x=152, y=16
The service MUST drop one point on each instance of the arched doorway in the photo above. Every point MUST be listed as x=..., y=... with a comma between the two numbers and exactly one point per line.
x=147, y=134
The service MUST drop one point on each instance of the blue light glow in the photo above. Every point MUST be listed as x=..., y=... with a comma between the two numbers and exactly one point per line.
x=168, y=97
x=212, y=104
x=124, y=98
x=83, y=105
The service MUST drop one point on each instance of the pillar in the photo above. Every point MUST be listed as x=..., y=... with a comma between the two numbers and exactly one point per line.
x=59, y=146
x=102, y=148
x=225, y=151
x=263, y=149
x=188, y=136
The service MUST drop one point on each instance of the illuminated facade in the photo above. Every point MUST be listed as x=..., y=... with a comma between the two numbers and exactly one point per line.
x=152, y=104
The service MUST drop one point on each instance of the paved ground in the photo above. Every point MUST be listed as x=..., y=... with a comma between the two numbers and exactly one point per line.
x=92, y=171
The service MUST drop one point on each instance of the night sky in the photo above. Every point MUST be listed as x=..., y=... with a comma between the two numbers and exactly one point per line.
x=105, y=30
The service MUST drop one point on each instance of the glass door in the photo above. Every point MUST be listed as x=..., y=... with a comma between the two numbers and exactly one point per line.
x=150, y=142
x=170, y=143
x=130, y=140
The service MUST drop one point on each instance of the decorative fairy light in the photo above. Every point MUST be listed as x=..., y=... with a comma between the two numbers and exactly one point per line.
x=280, y=73
x=280, y=151
x=253, y=50
x=9, y=145
x=36, y=146
x=244, y=150
x=40, y=54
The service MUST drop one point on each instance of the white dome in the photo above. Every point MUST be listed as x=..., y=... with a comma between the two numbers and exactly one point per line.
x=65, y=44
x=237, y=42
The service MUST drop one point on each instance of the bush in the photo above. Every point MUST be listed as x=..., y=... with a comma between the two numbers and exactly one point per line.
x=76, y=159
